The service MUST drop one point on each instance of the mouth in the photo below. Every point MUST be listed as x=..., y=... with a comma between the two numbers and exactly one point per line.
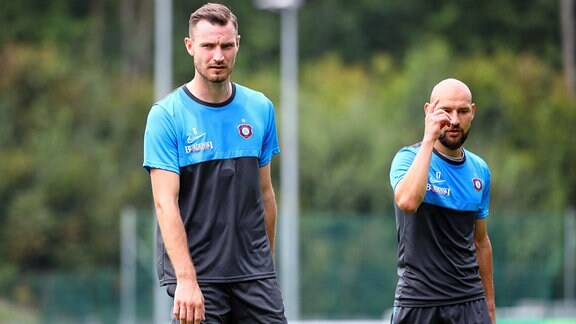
x=454, y=131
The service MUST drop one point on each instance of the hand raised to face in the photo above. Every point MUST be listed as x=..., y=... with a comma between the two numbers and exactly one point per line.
x=436, y=122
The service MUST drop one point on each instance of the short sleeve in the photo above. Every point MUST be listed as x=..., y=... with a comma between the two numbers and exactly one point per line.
x=270, y=146
x=400, y=165
x=160, y=141
x=483, y=212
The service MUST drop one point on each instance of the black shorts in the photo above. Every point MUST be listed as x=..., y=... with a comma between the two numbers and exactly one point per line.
x=254, y=301
x=473, y=312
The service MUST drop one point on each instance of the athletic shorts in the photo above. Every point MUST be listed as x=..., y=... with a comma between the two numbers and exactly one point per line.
x=255, y=301
x=473, y=312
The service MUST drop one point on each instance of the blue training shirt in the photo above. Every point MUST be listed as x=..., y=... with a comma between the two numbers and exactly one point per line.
x=437, y=262
x=217, y=150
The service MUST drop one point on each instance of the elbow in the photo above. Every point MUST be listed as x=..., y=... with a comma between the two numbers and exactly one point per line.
x=407, y=204
x=164, y=208
x=159, y=205
x=483, y=244
x=268, y=195
x=159, y=209
x=408, y=208
x=407, y=197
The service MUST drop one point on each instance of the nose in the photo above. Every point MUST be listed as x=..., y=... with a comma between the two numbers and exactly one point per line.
x=218, y=57
x=454, y=118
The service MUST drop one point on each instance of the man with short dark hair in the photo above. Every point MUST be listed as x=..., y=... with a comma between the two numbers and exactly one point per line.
x=208, y=147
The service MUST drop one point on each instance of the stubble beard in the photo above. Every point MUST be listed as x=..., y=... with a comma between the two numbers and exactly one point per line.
x=453, y=144
x=216, y=78
x=221, y=77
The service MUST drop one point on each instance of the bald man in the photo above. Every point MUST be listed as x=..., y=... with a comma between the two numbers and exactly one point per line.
x=441, y=200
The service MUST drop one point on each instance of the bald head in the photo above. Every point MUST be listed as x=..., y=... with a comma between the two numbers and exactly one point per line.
x=451, y=88
x=451, y=102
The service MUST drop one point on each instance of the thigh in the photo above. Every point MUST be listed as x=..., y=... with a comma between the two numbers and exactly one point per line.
x=257, y=301
x=411, y=315
x=473, y=312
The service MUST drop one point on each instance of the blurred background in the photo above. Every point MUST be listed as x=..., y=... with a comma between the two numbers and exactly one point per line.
x=77, y=82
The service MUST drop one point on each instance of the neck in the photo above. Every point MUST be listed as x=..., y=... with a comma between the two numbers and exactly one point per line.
x=214, y=92
x=457, y=153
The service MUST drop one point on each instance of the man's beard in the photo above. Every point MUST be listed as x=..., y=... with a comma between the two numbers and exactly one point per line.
x=214, y=78
x=453, y=144
x=204, y=71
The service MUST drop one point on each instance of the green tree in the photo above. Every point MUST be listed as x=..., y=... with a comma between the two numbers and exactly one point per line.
x=70, y=159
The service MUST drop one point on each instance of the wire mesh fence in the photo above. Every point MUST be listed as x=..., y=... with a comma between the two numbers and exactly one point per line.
x=347, y=274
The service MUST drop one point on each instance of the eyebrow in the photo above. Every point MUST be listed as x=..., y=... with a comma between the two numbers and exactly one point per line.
x=225, y=43
x=455, y=108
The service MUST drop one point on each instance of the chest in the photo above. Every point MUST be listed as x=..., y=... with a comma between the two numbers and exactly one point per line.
x=204, y=133
x=457, y=187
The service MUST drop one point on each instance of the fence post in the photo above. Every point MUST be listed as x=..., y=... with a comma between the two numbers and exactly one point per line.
x=128, y=256
x=570, y=255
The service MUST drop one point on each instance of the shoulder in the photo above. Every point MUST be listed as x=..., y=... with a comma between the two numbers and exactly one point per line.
x=478, y=163
x=409, y=150
x=474, y=158
x=405, y=155
x=251, y=94
x=168, y=103
x=164, y=113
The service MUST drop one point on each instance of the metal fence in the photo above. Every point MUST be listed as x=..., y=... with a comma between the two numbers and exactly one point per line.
x=347, y=273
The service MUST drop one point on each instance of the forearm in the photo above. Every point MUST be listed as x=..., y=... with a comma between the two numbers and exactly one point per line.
x=176, y=243
x=270, y=212
x=165, y=189
x=188, y=298
x=410, y=191
x=269, y=205
x=484, y=256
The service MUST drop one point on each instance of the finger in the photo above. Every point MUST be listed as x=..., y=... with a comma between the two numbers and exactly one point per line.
x=442, y=117
x=439, y=116
x=184, y=315
x=176, y=311
x=432, y=106
x=193, y=316
x=202, y=314
x=198, y=314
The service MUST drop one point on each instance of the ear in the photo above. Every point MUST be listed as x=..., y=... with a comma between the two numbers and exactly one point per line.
x=238, y=41
x=473, y=107
x=189, y=45
x=426, y=107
